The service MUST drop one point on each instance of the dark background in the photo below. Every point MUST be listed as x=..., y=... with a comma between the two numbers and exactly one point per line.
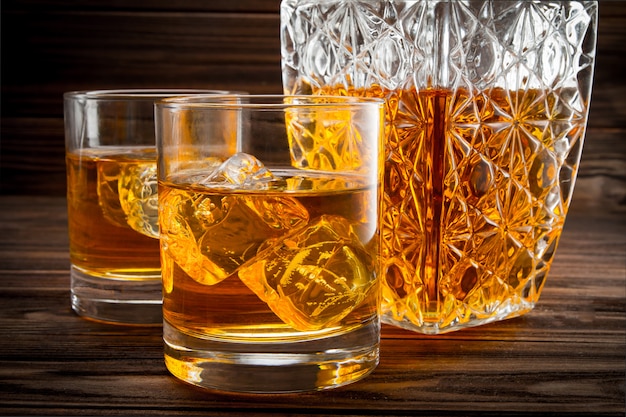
x=50, y=47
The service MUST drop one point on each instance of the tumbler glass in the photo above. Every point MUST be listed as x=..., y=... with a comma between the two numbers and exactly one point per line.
x=487, y=104
x=112, y=204
x=268, y=209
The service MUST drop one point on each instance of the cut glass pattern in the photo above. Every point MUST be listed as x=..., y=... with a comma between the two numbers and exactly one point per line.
x=487, y=104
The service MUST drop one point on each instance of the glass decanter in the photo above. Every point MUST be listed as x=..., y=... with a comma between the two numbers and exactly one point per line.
x=487, y=105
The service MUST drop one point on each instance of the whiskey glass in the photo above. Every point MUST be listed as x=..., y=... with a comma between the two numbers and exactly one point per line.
x=268, y=212
x=112, y=203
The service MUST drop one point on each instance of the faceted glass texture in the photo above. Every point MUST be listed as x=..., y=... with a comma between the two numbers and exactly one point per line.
x=487, y=105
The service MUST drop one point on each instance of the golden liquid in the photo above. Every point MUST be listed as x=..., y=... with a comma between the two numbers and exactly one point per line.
x=103, y=241
x=474, y=201
x=270, y=264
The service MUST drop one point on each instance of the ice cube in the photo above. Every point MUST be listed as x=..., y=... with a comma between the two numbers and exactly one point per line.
x=312, y=277
x=108, y=196
x=210, y=235
x=137, y=187
x=127, y=195
x=240, y=169
x=279, y=212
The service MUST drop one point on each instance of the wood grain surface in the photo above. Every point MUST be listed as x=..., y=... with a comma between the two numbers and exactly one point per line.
x=566, y=357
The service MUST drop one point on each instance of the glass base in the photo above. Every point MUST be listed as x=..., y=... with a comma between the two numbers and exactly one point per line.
x=118, y=301
x=280, y=367
x=438, y=324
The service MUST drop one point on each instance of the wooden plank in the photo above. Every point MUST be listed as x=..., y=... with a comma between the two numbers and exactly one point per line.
x=609, y=89
x=32, y=151
x=89, y=50
x=602, y=174
x=228, y=6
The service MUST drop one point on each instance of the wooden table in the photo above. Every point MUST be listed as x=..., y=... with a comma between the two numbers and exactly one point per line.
x=567, y=356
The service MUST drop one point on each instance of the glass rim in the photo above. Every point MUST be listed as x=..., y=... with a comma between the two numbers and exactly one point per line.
x=142, y=93
x=263, y=101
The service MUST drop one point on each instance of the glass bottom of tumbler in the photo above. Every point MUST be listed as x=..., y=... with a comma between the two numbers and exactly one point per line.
x=122, y=299
x=273, y=367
